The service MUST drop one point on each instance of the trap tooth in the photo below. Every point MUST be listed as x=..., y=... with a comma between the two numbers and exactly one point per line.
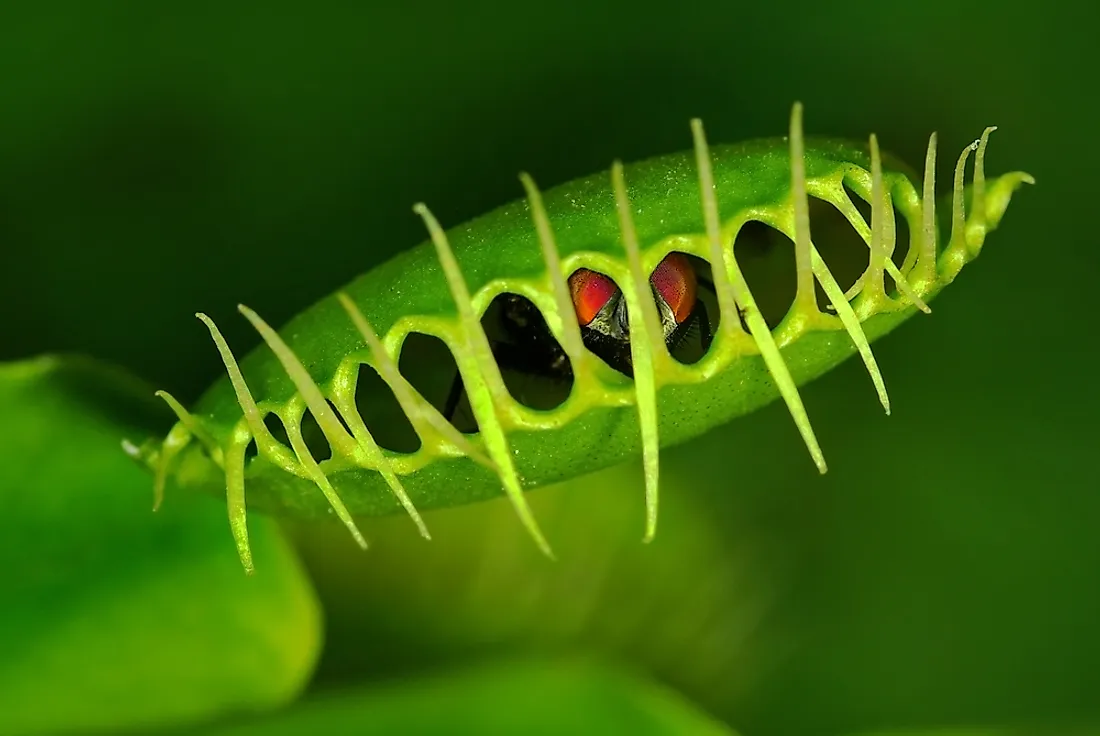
x=926, y=262
x=488, y=370
x=908, y=266
x=975, y=230
x=872, y=284
x=266, y=444
x=313, y=470
x=958, y=204
x=889, y=223
x=979, y=170
x=847, y=208
x=777, y=367
x=178, y=438
x=403, y=497
x=890, y=238
x=132, y=451
x=424, y=417
x=729, y=320
x=906, y=289
x=376, y=459
x=820, y=269
x=967, y=237
x=773, y=360
x=234, y=496
x=479, y=369
x=851, y=323
x=804, y=299
x=571, y=340
x=342, y=443
x=642, y=348
x=193, y=425
x=875, y=287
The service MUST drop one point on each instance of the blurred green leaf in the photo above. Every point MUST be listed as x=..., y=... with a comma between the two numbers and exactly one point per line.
x=113, y=616
x=992, y=731
x=693, y=609
x=528, y=697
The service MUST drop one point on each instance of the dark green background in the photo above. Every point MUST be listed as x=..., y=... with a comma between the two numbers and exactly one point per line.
x=161, y=158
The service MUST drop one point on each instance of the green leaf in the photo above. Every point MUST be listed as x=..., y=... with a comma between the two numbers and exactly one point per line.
x=513, y=697
x=1046, y=730
x=113, y=616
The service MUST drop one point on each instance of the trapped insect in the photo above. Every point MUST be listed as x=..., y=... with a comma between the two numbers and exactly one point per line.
x=595, y=288
x=605, y=324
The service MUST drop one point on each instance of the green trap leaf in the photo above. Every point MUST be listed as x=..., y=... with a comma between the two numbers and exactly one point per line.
x=115, y=617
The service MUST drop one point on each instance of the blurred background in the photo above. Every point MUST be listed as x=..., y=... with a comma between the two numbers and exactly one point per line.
x=161, y=159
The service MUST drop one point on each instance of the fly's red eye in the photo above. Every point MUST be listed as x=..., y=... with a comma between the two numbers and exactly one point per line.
x=591, y=293
x=674, y=280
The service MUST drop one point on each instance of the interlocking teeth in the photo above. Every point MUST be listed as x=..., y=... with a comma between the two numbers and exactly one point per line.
x=804, y=299
x=351, y=440
x=481, y=375
x=720, y=257
x=820, y=270
x=926, y=262
x=645, y=347
x=569, y=330
x=338, y=438
x=424, y=417
x=266, y=444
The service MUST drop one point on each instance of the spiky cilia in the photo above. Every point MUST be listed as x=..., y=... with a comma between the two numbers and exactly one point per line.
x=622, y=227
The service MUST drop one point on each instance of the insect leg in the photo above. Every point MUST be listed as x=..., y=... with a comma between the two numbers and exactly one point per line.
x=706, y=336
x=684, y=335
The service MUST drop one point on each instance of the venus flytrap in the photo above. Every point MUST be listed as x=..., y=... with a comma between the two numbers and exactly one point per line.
x=621, y=229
